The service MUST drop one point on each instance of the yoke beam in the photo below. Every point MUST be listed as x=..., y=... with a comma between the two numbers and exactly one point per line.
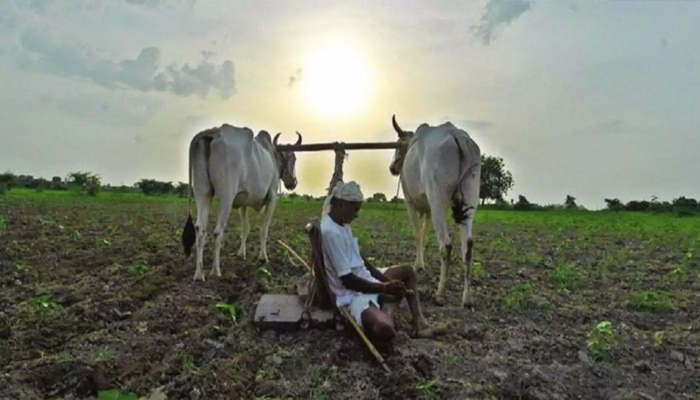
x=338, y=146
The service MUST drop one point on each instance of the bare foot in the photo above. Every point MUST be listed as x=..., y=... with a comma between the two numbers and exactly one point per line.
x=425, y=333
x=424, y=330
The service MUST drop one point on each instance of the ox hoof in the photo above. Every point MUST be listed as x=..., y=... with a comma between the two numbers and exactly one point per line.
x=198, y=277
x=439, y=299
x=241, y=253
x=467, y=300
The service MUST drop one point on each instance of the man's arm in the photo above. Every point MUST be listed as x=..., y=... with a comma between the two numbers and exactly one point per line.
x=377, y=274
x=354, y=282
x=340, y=261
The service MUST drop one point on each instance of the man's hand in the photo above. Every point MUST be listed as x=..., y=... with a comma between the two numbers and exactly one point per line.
x=395, y=288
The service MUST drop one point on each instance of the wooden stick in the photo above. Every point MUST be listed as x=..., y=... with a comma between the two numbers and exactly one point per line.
x=297, y=256
x=338, y=145
x=370, y=346
x=312, y=293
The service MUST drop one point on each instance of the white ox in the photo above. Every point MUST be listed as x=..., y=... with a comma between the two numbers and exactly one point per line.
x=440, y=167
x=244, y=172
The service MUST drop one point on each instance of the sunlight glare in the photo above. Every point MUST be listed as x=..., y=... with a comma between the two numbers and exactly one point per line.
x=336, y=81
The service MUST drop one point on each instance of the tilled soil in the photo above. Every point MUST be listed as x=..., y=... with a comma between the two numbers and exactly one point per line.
x=97, y=295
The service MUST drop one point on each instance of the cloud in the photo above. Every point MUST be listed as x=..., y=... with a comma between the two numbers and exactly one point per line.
x=48, y=54
x=498, y=13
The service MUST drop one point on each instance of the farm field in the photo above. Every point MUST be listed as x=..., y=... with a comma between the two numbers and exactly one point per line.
x=95, y=294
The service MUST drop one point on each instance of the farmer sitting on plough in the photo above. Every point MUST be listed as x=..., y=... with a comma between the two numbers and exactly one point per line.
x=354, y=281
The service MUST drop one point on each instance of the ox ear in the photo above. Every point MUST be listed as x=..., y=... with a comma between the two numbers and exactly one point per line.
x=397, y=128
x=298, y=140
x=274, y=141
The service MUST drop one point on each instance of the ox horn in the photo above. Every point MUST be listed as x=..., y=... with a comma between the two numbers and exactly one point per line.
x=396, y=126
x=298, y=140
x=274, y=141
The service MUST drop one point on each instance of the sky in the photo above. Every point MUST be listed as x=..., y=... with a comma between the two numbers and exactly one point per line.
x=595, y=99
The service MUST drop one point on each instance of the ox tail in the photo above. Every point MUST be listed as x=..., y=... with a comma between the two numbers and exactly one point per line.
x=462, y=210
x=200, y=140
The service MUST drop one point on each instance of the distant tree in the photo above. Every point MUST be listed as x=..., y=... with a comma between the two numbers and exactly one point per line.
x=614, y=204
x=86, y=182
x=378, y=197
x=151, y=187
x=7, y=181
x=522, y=203
x=40, y=184
x=25, y=181
x=181, y=189
x=57, y=183
x=496, y=180
x=570, y=202
x=683, y=206
x=636, y=205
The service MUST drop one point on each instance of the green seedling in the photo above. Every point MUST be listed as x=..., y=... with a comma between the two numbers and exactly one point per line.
x=566, y=276
x=43, y=302
x=115, y=394
x=478, y=272
x=678, y=274
x=138, y=269
x=231, y=310
x=518, y=296
x=652, y=301
x=428, y=389
x=602, y=340
x=187, y=364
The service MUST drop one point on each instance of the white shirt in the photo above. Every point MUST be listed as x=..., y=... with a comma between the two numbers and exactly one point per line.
x=341, y=256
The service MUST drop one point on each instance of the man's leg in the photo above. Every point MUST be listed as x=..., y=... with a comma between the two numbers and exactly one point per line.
x=407, y=275
x=375, y=323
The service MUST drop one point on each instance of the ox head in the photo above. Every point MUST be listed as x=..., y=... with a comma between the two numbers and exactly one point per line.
x=286, y=163
x=403, y=144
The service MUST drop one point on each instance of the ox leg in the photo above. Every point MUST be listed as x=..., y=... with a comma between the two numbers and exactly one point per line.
x=265, y=226
x=443, y=235
x=245, y=230
x=467, y=260
x=225, y=204
x=470, y=203
x=200, y=227
x=425, y=227
x=414, y=218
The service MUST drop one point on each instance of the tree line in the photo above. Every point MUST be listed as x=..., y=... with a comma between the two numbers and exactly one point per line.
x=496, y=182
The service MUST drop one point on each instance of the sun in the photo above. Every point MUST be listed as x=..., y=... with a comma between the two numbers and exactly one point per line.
x=336, y=81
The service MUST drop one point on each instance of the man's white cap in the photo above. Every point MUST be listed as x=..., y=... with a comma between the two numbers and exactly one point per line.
x=349, y=191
